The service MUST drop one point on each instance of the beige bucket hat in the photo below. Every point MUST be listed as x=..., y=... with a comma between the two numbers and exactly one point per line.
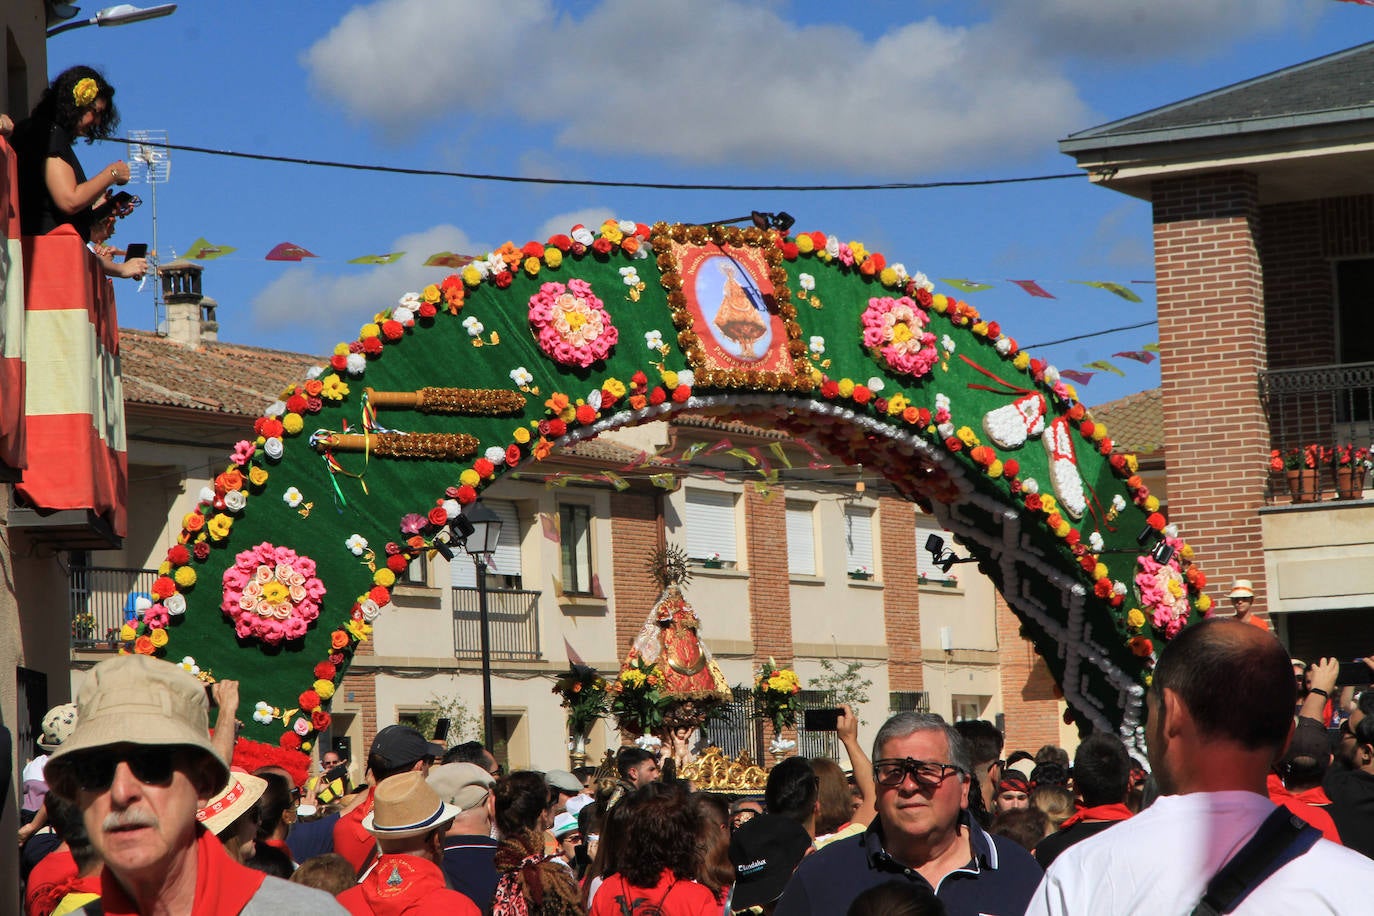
x=230, y=803
x=405, y=805
x=58, y=726
x=136, y=699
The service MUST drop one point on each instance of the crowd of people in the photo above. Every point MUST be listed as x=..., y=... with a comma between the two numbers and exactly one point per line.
x=1240, y=806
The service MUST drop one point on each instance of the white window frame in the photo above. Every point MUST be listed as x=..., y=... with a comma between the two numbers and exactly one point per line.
x=505, y=560
x=709, y=517
x=858, y=539
x=801, y=538
x=584, y=554
x=925, y=564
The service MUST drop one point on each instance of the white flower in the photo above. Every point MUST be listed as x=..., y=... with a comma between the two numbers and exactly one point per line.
x=357, y=363
x=641, y=253
x=409, y=301
x=357, y=544
x=941, y=402
x=648, y=742
x=452, y=508
x=188, y=664
x=521, y=376
x=686, y=377
x=945, y=430
x=594, y=399
x=369, y=609
x=627, y=226
x=582, y=235
x=1119, y=588
x=274, y=448
x=780, y=746
x=495, y=264
x=876, y=384
x=653, y=339
x=1003, y=345
x=832, y=246
x=315, y=372
x=1119, y=502
x=496, y=455
x=207, y=494
x=629, y=276
x=807, y=281
x=923, y=282
x=817, y=345
x=899, y=269
x=1051, y=375
x=263, y=712
x=292, y=497
x=301, y=727
x=947, y=343
x=234, y=501
x=1030, y=485
x=1171, y=530
x=275, y=409
x=404, y=315
x=1095, y=541
x=474, y=327
x=175, y=604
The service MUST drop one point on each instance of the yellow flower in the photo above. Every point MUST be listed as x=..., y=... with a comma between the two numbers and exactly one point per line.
x=470, y=477
x=859, y=251
x=341, y=349
x=219, y=526
x=275, y=593
x=324, y=688
x=257, y=476
x=1049, y=504
x=127, y=632
x=84, y=92
x=846, y=387
x=158, y=636
x=632, y=676
x=1186, y=552
x=1021, y=361
x=358, y=629
x=369, y=330
x=1072, y=392
x=995, y=469
x=1135, y=618
x=1132, y=463
x=897, y=403
x=334, y=388
x=1062, y=529
x=615, y=386
x=1151, y=504
x=185, y=577
x=165, y=568
x=980, y=328
x=940, y=302
x=669, y=378
x=471, y=276
x=431, y=293
x=1100, y=571
x=804, y=244
x=553, y=257
x=1099, y=431
x=611, y=232
x=384, y=577
x=887, y=276
x=1175, y=588
x=292, y=424
x=967, y=436
x=1204, y=603
x=531, y=266
x=521, y=435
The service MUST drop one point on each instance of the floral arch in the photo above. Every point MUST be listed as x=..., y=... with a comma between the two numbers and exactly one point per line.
x=280, y=572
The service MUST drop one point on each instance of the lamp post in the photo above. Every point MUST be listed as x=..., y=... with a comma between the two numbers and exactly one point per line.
x=121, y=14
x=480, y=543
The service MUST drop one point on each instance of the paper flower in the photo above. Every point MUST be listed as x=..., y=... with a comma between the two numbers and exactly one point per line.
x=817, y=345
x=175, y=604
x=894, y=331
x=272, y=593
x=629, y=276
x=520, y=376
x=188, y=664
x=473, y=326
x=84, y=92
x=806, y=281
x=235, y=501
x=571, y=324
x=292, y=497
x=357, y=544
x=264, y=712
x=653, y=339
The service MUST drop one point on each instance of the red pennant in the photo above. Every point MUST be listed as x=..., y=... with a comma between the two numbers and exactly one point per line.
x=1143, y=356
x=288, y=251
x=1030, y=286
x=1074, y=375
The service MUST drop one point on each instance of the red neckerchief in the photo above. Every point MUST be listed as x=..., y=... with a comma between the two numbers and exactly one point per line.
x=1315, y=796
x=223, y=886
x=1116, y=812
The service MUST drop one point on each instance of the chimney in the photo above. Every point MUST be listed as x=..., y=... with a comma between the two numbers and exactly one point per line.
x=181, y=293
x=209, y=326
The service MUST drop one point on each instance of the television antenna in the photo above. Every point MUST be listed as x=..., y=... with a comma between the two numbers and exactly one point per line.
x=150, y=163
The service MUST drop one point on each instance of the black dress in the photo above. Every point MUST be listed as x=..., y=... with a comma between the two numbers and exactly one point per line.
x=34, y=141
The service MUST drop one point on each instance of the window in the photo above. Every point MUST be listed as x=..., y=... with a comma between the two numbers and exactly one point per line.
x=858, y=538
x=801, y=538
x=907, y=701
x=575, y=545
x=1355, y=318
x=967, y=708
x=504, y=569
x=925, y=563
x=710, y=521
x=417, y=573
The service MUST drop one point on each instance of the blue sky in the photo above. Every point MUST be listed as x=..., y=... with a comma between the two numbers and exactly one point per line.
x=766, y=92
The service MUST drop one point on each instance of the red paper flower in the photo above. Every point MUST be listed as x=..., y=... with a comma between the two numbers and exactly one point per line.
x=1156, y=521
x=1010, y=468
x=324, y=671
x=503, y=279
x=658, y=395
x=427, y=311
x=309, y=701
x=397, y=563
x=862, y=394
x=602, y=247
x=483, y=467
x=512, y=455
x=163, y=587
x=586, y=414
x=438, y=517
x=372, y=346
x=467, y=495
x=178, y=555
x=290, y=741
x=296, y=403
x=202, y=551
x=319, y=720
x=681, y=393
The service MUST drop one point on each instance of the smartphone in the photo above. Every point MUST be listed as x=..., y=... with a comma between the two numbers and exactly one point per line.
x=136, y=250
x=210, y=695
x=338, y=772
x=820, y=720
x=1354, y=674
x=441, y=730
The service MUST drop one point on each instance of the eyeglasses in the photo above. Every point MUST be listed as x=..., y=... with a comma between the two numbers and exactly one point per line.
x=890, y=773
x=152, y=766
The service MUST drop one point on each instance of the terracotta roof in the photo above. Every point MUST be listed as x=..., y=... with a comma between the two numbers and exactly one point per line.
x=160, y=371
x=702, y=421
x=1135, y=422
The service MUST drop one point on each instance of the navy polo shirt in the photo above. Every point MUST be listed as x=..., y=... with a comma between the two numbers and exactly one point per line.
x=470, y=867
x=998, y=881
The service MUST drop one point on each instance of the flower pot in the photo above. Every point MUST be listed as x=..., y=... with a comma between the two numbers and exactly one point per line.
x=577, y=756
x=1304, y=484
x=713, y=564
x=1349, y=482
x=862, y=577
x=949, y=583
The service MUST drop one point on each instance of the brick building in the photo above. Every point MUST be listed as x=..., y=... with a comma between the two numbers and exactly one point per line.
x=1263, y=202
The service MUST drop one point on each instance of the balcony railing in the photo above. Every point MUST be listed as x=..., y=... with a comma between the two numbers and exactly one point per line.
x=1324, y=406
x=96, y=597
x=513, y=620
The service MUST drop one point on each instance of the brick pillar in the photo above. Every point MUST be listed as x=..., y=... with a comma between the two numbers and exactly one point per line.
x=1030, y=701
x=634, y=533
x=901, y=600
x=362, y=686
x=1212, y=347
x=770, y=592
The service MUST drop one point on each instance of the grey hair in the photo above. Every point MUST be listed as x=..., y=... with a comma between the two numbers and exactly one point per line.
x=908, y=723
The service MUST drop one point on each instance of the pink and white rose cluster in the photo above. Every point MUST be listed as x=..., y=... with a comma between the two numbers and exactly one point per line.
x=272, y=593
x=894, y=329
x=571, y=323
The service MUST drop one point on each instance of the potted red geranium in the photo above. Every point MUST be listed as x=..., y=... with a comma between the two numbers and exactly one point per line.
x=1350, y=463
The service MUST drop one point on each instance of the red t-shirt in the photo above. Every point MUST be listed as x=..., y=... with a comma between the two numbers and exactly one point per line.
x=405, y=884
x=350, y=839
x=53, y=869
x=671, y=896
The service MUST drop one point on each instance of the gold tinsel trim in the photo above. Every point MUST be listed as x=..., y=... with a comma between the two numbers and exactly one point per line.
x=474, y=402
x=430, y=446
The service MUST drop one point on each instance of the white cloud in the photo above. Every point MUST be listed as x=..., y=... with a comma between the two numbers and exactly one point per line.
x=591, y=217
x=316, y=310
x=705, y=84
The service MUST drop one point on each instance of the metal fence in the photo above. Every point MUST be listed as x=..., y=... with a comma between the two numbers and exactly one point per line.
x=1324, y=406
x=513, y=624
x=734, y=728
x=96, y=596
x=816, y=743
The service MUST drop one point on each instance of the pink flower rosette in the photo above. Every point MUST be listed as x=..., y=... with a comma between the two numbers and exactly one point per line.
x=272, y=593
x=894, y=330
x=571, y=323
x=1163, y=595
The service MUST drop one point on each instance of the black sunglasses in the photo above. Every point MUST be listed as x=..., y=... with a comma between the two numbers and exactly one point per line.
x=152, y=766
x=890, y=773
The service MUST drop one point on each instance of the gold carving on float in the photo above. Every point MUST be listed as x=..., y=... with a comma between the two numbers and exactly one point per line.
x=712, y=771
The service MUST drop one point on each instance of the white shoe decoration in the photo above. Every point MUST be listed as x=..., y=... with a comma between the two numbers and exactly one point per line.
x=1010, y=426
x=1068, y=485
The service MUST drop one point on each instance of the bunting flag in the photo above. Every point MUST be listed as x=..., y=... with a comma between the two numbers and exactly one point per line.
x=1033, y=288
x=202, y=250
x=1105, y=366
x=1079, y=378
x=1140, y=356
x=288, y=251
x=744, y=456
x=1151, y=347
x=548, y=524
x=966, y=286
x=1122, y=291
x=449, y=259
x=779, y=453
x=378, y=258
x=12, y=425
x=1359, y=2
x=573, y=657
x=663, y=481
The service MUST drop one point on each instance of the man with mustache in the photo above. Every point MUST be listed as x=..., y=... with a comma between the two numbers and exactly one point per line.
x=139, y=765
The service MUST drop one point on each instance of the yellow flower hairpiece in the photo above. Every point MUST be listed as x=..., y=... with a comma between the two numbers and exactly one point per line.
x=85, y=91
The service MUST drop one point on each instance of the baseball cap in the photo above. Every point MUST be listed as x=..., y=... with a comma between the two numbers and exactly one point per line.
x=563, y=781
x=398, y=746
x=464, y=785
x=1309, y=751
x=765, y=852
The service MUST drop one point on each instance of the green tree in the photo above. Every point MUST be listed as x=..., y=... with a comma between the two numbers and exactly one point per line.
x=463, y=725
x=846, y=682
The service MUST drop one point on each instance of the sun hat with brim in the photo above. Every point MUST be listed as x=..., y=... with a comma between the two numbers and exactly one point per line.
x=465, y=785
x=563, y=825
x=231, y=802
x=405, y=806
x=1242, y=589
x=140, y=700
x=58, y=726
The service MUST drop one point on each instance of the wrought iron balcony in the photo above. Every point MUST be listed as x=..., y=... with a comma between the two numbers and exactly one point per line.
x=96, y=596
x=1323, y=406
x=513, y=620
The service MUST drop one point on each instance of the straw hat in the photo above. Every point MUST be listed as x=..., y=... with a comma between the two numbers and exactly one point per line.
x=404, y=805
x=1242, y=589
x=231, y=802
x=58, y=726
x=137, y=699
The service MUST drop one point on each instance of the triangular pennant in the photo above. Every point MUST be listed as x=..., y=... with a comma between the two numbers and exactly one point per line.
x=780, y=453
x=662, y=481
x=1117, y=288
x=202, y=250
x=742, y=455
x=1033, y=288
x=1105, y=366
x=1073, y=375
x=966, y=286
x=378, y=258
x=548, y=524
x=573, y=657
x=287, y=251
x=1151, y=347
x=449, y=259
x=1140, y=356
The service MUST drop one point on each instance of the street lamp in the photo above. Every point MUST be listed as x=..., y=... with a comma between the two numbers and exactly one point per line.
x=480, y=530
x=121, y=14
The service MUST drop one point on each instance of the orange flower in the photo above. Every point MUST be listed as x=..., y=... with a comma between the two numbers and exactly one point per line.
x=313, y=387
x=230, y=480
x=510, y=254
x=193, y=521
x=542, y=449
x=630, y=243
x=557, y=403
x=338, y=639
x=143, y=645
